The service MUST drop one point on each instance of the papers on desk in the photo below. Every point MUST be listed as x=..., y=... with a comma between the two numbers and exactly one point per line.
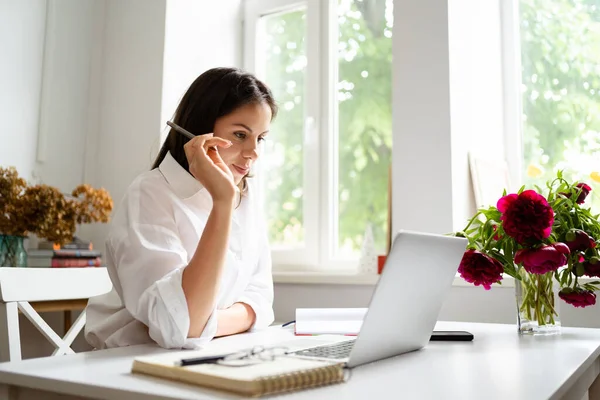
x=281, y=374
x=334, y=321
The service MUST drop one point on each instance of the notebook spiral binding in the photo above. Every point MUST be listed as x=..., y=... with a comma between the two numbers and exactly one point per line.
x=303, y=379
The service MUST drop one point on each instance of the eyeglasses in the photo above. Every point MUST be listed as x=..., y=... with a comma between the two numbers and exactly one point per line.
x=256, y=355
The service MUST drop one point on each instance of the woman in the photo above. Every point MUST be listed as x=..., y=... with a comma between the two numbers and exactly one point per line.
x=187, y=252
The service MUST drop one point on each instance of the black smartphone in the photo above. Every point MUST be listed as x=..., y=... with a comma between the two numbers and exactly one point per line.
x=454, y=336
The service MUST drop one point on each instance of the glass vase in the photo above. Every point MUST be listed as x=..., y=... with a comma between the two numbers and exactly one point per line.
x=12, y=251
x=537, y=304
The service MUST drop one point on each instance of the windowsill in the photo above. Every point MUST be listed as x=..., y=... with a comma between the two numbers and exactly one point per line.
x=347, y=278
x=324, y=278
x=299, y=277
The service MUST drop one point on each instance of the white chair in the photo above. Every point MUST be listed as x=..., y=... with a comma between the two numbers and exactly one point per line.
x=20, y=286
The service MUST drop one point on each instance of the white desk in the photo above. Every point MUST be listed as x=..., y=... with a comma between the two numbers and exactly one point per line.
x=498, y=364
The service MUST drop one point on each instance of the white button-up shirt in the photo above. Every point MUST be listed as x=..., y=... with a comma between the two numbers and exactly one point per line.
x=153, y=236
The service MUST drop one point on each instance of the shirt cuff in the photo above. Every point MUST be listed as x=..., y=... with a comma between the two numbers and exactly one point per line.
x=172, y=322
x=209, y=332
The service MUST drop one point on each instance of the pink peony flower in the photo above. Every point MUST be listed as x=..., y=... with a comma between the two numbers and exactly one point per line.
x=544, y=259
x=480, y=269
x=526, y=217
x=578, y=298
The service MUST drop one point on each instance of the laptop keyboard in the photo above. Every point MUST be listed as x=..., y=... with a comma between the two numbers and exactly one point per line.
x=335, y=351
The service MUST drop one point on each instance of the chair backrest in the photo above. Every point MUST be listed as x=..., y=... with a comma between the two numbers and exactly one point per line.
x=45, y=284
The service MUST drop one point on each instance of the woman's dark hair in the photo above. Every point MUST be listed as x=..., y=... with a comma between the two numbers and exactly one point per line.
x=214, y=94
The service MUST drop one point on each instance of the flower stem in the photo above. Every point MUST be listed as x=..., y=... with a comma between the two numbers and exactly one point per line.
x=537, y=303
x=538, y=306
x=472, y=220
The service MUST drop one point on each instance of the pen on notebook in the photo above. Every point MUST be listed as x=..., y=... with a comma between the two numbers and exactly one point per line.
x=181, y=130
x=201, y=360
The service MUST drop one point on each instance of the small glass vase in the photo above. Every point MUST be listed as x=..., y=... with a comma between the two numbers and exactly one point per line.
x=537, y=304
x=12, y=251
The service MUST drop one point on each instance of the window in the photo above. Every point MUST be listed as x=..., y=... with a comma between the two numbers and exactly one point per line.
x=560, y=56
x=324, y=171
x=284, y=68
x=364, y=104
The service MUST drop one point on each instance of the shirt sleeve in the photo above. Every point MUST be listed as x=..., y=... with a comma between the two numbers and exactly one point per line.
x=150, y=259
x=259, y=292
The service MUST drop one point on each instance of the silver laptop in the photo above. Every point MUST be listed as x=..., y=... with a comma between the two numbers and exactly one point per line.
x=404, y=308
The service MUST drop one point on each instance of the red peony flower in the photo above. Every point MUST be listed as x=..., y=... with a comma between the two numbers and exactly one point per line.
x=497, y=235
x=526, y=217
x=579, y=240
x=544, y=259
x=592, y=268
x=578, y=298
x=585, y=190
x=480, y=269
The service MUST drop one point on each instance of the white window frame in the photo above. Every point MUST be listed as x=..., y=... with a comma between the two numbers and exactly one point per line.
x=512, y=97
x=320, y=197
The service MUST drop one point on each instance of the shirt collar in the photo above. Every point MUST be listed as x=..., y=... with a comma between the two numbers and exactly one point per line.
x=182, y=182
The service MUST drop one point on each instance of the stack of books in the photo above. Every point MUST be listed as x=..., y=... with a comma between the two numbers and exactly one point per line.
x=77, y=254
x=75, y=244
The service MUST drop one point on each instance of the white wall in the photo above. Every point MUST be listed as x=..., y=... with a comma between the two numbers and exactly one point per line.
x=65, y=93
x=475, y=70
x=198, y=36
x=22, y=25
x=447, y=102
x=421, y=120
x=128, y=94
x=476, y=97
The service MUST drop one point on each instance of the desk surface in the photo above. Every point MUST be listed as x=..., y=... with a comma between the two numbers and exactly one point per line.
x=498, y=364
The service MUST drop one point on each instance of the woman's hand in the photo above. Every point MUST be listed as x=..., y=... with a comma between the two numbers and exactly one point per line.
x=207, y=166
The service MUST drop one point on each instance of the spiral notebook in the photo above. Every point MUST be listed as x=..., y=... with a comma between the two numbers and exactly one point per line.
x=280, y=375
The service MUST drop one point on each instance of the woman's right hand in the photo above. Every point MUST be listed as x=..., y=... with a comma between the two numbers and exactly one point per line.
x=207, y=166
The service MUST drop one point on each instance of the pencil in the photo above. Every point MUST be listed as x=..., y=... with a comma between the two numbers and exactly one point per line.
x=181, y=130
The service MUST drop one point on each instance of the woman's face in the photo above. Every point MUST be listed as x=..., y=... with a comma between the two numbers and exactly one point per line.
x=246, y=127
